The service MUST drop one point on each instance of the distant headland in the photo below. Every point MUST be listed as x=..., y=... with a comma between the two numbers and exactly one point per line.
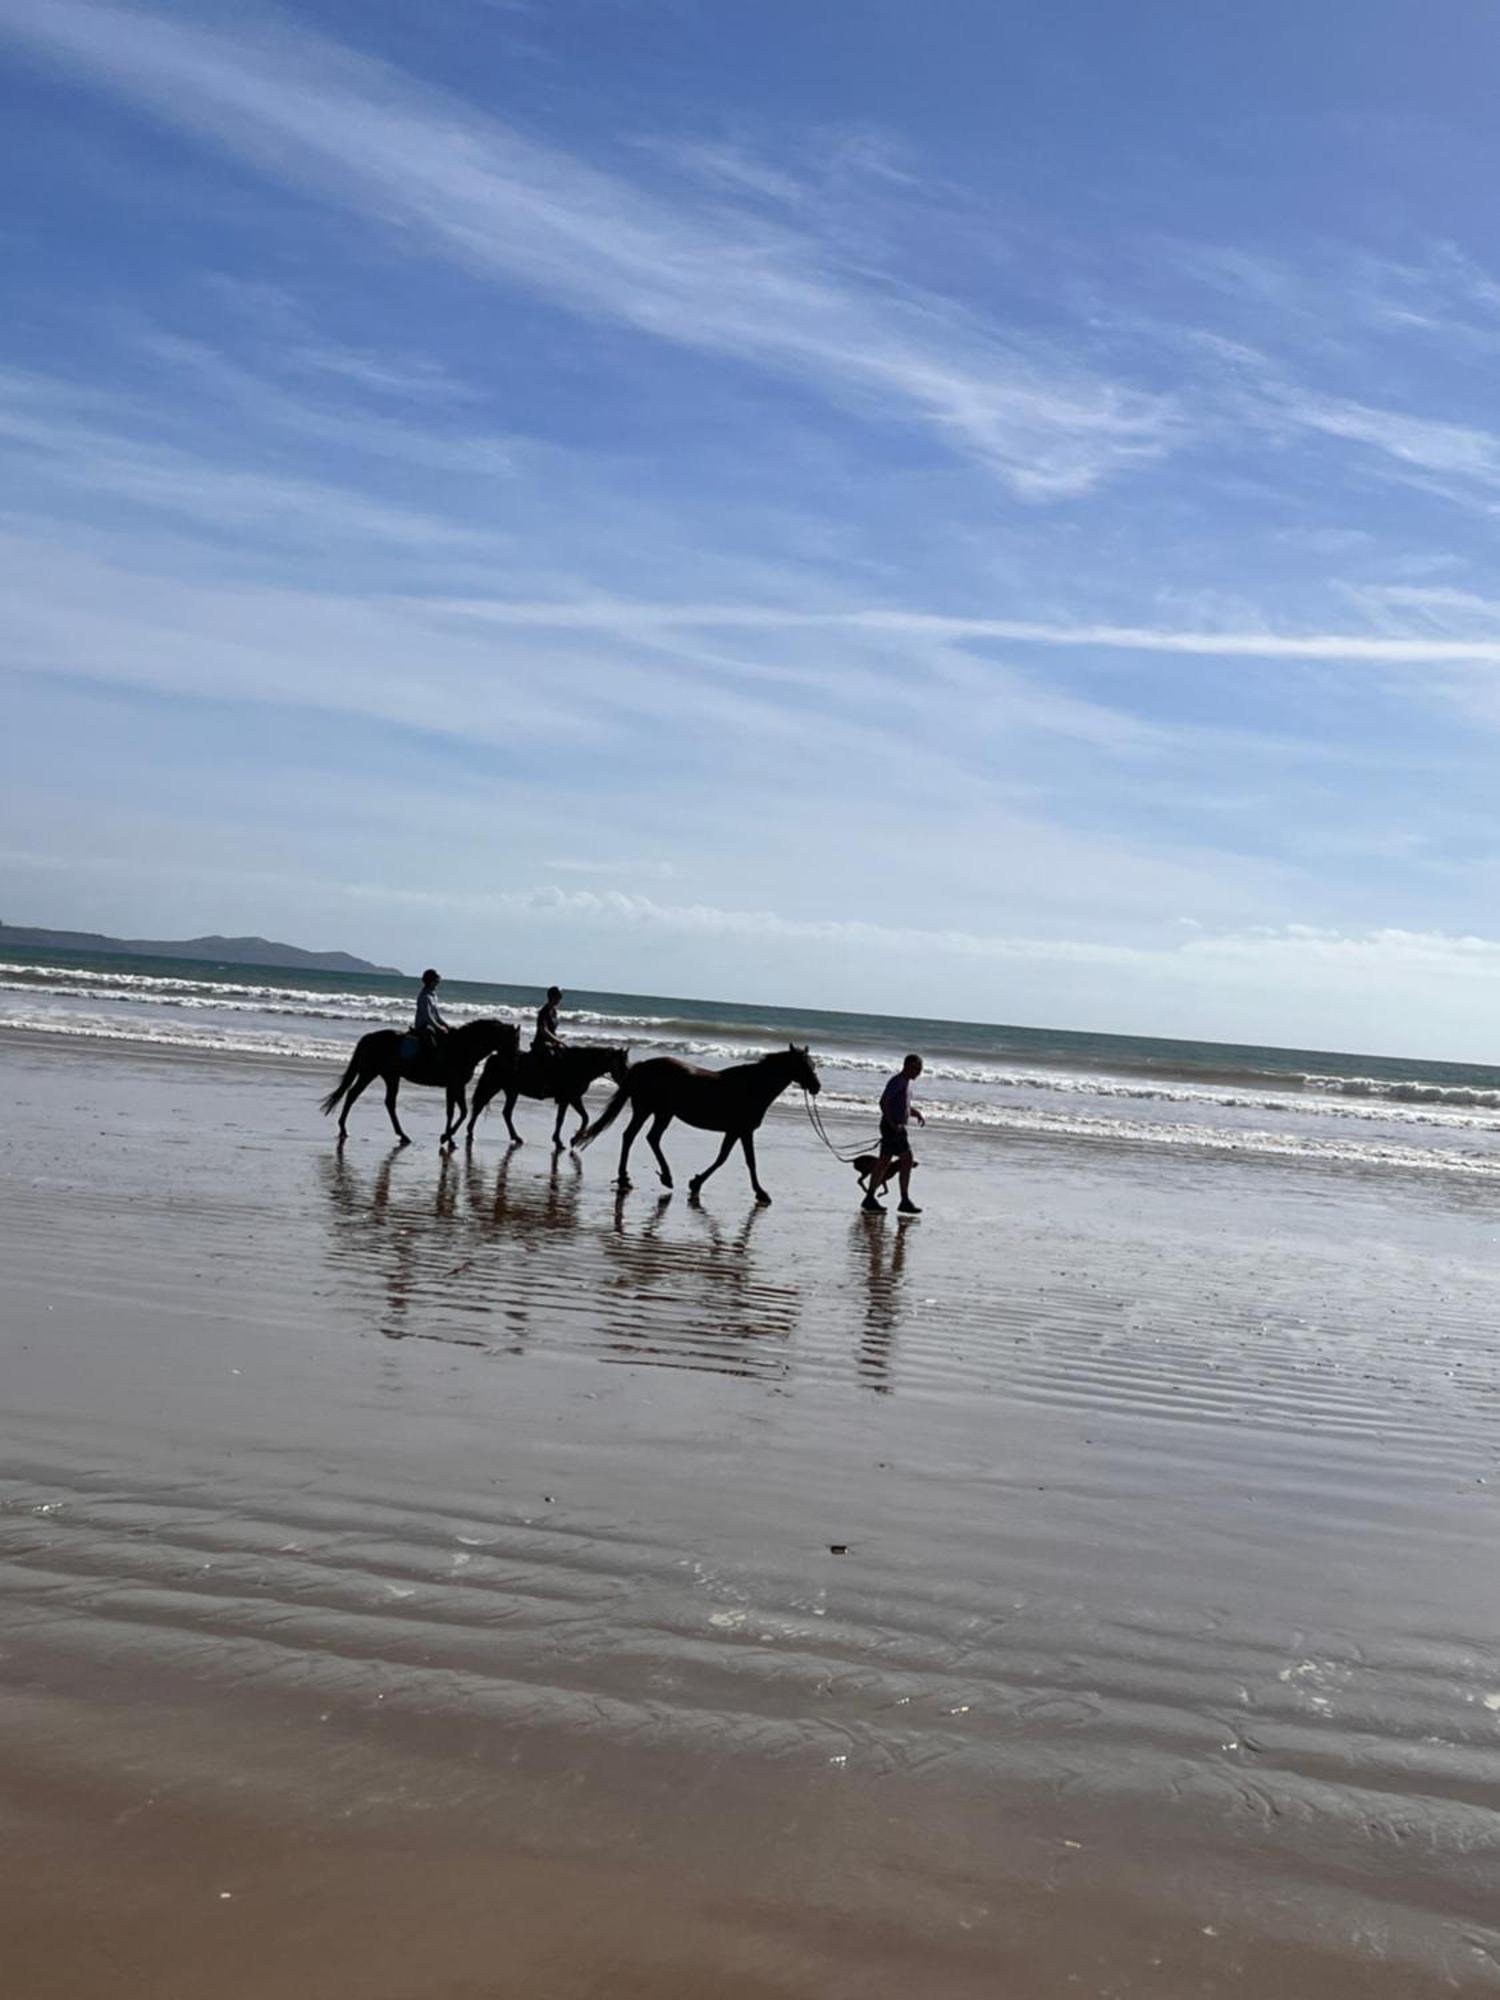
x=214, y=950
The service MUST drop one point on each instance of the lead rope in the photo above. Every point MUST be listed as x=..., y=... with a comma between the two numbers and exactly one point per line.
x=815, y=1119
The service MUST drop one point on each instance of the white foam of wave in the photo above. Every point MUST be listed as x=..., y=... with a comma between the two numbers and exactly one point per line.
x=724, y=1041
x=1173, y=1136
x=1406, y=1090
x=1177, y=1136
x=1456, y=1109
x=238, y=996
x=81, y=1027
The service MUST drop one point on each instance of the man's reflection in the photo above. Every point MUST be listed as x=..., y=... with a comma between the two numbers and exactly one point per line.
x=880, y=1256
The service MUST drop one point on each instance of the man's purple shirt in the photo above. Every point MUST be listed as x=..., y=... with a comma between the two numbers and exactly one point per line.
x=895, y=1099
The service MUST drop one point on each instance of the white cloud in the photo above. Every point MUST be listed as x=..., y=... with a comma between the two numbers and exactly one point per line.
x=1464, y=452
x=623, y=614
x=711, y=277
x=59, y=435
x=660, y=871
x=1265, y=952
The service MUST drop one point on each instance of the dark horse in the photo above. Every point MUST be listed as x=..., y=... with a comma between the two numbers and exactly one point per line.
x=458, y=1055
x=731, y=1101
x=564, y=1075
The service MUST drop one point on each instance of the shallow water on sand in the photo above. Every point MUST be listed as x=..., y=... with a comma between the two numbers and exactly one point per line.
x=420, y=1577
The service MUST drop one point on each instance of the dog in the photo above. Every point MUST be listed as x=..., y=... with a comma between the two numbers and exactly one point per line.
x=867, y=1165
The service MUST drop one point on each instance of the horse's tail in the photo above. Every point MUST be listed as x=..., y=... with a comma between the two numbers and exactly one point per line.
x=331, y=1101
x=607, y=1116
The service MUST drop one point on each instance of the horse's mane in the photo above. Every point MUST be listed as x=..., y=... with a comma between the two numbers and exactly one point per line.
x=756, y=1062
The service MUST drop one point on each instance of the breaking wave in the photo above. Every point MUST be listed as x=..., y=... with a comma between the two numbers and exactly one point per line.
x=1204, y=1095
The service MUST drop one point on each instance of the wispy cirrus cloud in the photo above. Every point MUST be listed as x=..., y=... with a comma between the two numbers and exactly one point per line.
x=78, y=441
x=1463, y=459
x=1374, y=648
x=694, y=273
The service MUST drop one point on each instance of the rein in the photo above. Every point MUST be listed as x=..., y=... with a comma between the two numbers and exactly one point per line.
x=815, y=1119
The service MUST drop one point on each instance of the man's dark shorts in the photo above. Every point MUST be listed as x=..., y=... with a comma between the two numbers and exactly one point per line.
x=894, y=1143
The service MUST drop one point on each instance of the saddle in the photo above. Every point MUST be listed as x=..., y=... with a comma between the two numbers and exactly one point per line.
x=418, y=1060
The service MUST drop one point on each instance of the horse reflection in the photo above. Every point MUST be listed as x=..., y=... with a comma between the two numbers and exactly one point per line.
x=404, y=1241
x=531, y=1206
x=695, y=1303
x=492, y=1258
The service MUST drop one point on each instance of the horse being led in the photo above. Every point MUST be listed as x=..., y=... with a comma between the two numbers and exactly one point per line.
x=565, y=1076
x=449, y=1068
x=731, y=1101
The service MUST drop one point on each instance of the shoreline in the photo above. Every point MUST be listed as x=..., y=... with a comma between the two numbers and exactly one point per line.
x=848, y=1122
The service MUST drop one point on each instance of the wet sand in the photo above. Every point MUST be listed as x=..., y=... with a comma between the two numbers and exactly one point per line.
x=416, y=1579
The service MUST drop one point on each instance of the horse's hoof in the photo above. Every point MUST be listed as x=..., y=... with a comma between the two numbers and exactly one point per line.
x=404, y=1139
x=695, y=1188
x=762, y=1197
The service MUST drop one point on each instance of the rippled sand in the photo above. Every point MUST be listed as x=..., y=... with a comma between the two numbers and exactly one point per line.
x=418, y=1579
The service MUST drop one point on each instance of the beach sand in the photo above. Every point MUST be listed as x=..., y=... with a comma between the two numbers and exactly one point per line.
x=419, y=1578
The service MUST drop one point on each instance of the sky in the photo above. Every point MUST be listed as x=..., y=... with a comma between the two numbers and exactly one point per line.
x=928, y=506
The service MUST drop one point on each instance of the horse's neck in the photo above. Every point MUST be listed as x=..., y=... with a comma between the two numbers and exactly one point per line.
x=466, y=1045
x=772, y=1077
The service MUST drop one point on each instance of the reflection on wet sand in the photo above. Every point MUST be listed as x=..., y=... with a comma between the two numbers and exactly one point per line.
x=879, y=1258
x=1144, y=1643
x=516, y=1247
x=696, y=1303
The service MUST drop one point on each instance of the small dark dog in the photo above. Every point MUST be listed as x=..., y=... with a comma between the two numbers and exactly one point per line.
x=866, y=1166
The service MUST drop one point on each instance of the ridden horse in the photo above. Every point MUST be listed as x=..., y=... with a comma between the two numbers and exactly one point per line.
x=731, y=1101
x=565, y=1075
x=447, y=1068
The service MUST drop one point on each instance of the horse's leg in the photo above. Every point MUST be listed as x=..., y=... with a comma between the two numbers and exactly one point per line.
x=363, y=1084
x=638, y=1118
x=392, y=1085
x=510, y=1123
x=484, y=1090
x=659, y=1125
x=457, y=1095
x=583, y=1119
x=695, y=1185
x=557, y=1140
x=747, y=1140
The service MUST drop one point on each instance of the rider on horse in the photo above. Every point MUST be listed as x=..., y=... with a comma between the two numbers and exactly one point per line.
x=546, y=1042
x=429, y=1026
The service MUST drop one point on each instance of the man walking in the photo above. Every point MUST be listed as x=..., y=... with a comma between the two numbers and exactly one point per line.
x=896, y=1108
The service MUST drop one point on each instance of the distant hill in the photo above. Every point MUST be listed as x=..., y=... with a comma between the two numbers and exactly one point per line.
x=217, y=950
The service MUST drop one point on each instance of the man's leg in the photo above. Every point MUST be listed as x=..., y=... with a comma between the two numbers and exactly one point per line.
x=878, y=1180
x=907, y=1163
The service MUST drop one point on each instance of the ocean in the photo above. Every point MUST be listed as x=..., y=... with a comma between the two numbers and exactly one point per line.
x=1357, y=1110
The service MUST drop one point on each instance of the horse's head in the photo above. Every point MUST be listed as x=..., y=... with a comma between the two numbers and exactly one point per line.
x=619, y=1065
x=803, y=1073
x=500, y=1037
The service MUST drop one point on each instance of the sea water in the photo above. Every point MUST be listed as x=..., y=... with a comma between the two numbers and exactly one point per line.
x=1381, y=1113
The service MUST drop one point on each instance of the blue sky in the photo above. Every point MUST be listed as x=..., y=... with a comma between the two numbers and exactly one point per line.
x=952, y=508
